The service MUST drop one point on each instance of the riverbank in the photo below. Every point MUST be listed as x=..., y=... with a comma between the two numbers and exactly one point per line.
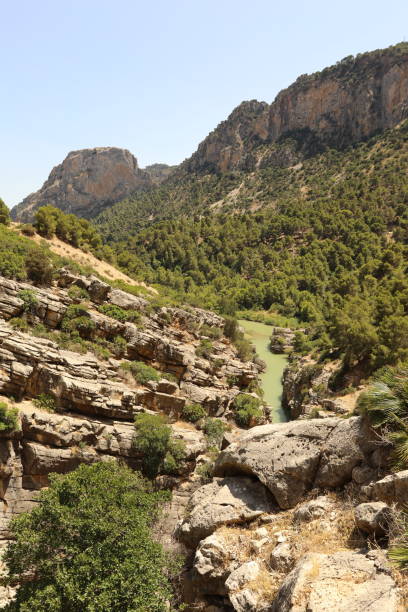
x=271, y=379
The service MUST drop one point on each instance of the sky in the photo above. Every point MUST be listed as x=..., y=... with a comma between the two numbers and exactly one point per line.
x=156, y=77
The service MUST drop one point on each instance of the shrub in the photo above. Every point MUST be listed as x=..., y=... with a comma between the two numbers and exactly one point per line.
x=78, y=293
x=193, y=412
x=39, y=267
x=8, y=417
x=44, y=401
x=214, y=430
x=88, y=545
x=248, y=410
x=140, y=371
x=119, y=346
x=29, y=298
x=215, y=333
x=4, y=213
x=245, y=350
x=77, y=319
x=204, y=349
x=28, y=229
x=19, y=323
x=231, y=328
x=153, y=439
x=115, y=312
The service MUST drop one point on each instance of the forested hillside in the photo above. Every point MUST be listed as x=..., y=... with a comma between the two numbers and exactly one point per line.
x=323, y=240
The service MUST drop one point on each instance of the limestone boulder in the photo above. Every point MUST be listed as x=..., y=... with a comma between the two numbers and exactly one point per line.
x=224, y=501
x=291, y=458
x=391, y=489
x=373, y=517
x=313, y=509
x=343, y=581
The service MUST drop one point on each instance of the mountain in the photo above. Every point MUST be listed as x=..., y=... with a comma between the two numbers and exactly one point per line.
x=342, y=104
x=159, y=172
x=86, y=182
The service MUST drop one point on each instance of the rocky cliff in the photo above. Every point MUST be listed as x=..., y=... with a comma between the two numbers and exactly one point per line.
x=343, y=104
x=86, y=182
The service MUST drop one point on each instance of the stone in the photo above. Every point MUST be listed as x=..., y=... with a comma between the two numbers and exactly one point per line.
x=212, y=565
x=373, y=517
x=343, y=581
x=86, y=182
x=390, y=489
x=314, y=509
x=243, y=599
x=282, y=559
x=292, y=458
x=224, y=501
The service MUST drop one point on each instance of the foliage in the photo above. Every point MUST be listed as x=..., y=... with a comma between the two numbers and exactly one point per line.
x=115, y=312
x=141, y=372
x=4, y=213
x=204, y=349
x=44, y=401
x=29, y=298
x=214, y=430
x=39, y=267
x=88, y=545
x=28, y=229
x=8, y=417
x=248, y=410
x=77, y=319
x=386, y=405
x=193, y=412
x=78, y=232
x=78, y=293
x=215, y=333
x=19, y=323
x=160, y=452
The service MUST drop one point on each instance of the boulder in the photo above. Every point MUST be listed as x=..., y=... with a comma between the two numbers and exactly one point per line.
x=282, y=559
x=314, y=509
x=291, y=458
x=243, y=599
x=343, y=581
x=211, y=565
x=391, y=489
x=373, y=517
x=224, y=501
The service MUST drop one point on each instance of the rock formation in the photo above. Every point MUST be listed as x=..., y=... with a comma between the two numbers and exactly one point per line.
x=86, y=182
x=343, y=104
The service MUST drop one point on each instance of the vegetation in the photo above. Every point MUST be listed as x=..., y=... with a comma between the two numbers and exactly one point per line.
x=8, y=418
x=386, y=405
x=327, y=248
x=248, y=411
x=115, y=312
x=46, y=402
x=88, y=545
x=77, y=319
x=29, y=298
x=141, y=372
x=4, y=213
x=161, y=453
x=193, y=412
x=214, y=430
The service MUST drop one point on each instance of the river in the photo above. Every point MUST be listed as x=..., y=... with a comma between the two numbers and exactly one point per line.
x=271, y=380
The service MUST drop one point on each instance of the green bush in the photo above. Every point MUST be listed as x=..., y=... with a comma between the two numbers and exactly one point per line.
x=193, y=412
x=141, y=372
x=44, y=401
x=248, y=410
x=78, y=293
x=29, y=298
x=215, y=333
x=8, y=418
x=28, y=229
x=88, y=545
x=119, y=346
x=245, y=350
x=214, y=430
x=19, y=323
x=39, y=267
x=77, y=319
x=204, y=349
x=115, y=312
x=4, y=213
x=160, y=452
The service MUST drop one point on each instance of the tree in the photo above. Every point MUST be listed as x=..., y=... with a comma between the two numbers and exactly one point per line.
x=88, y=545
x=4, y=213
x=154, y=440
x=39, y=267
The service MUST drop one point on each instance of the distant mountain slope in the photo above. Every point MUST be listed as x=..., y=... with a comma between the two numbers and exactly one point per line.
x=342, y=104
x=86, y=182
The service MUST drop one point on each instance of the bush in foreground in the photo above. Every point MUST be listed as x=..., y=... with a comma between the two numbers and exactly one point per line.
x=88, y=545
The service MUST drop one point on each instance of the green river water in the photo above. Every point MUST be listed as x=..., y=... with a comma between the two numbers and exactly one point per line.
x=271, y=380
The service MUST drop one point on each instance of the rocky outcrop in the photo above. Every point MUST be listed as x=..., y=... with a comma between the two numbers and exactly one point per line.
x=343, y=104
x=392, y=489
x=86, y=182
x=292, y=458
x=343, y=581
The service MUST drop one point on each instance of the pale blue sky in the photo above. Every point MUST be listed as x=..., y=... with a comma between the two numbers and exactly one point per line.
x=155, y=77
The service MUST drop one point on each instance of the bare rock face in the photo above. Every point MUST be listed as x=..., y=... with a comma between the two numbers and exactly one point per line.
x=341, y=105
x=86, y=182
x=292, y=458
x=344, y=581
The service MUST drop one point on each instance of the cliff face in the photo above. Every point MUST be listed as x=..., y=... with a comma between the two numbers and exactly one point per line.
x=343, y=104
x=86, y=182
